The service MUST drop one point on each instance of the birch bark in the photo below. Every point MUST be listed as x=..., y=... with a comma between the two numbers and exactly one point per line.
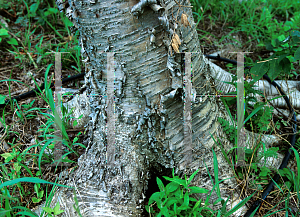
x=149, y=106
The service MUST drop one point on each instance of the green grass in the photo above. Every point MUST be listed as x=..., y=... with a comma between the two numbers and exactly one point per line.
x=265, y=22
x=42, y=29
x=259, y=19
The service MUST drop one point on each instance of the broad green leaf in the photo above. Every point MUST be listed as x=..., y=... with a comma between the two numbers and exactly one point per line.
x=258, y=70
x=154, y=197
x=296, y=36
x=67, y=22
x=12, y=41
x=47, y=209
x=281, y=37
x=170, y=201
x=8, y=156
x=269, y=45
x=176, y=180
x=165, y=212
x=171, y=187
x=275, y=42
x=186, y=199
x=196, y=205
x=264, y=171
x=285, y=65
x=51, y=11
x=56, y=209
x=274, y=69
x=33, y=9
x=36, y=200
x=193, y=199
x=286, y=28
x=160, y=184
x=297, y=54
x=197, y=190
x=3, y=32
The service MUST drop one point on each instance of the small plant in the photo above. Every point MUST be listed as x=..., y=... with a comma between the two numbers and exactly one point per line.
x=53, y=211
x=292, y=180
x=261, y=114
x=262, y=117
x=260, y=173
x=287, y=51
x=16, y=162
x=10, y=208
x=24, y=112
x=175, y=198
x=229, y=129
x=4, y=35
x=39, y=193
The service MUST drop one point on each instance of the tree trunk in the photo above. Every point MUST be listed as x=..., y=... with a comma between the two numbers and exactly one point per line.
x=149, y=107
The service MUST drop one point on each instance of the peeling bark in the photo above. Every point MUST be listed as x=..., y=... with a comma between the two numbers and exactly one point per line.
x=149, y=102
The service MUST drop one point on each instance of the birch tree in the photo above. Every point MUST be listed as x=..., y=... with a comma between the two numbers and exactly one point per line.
x=148, y=47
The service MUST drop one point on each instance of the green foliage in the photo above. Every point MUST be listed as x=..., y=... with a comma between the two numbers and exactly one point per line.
x=175, y=198
x=261, y=173
x=229, y=129
x=45, y=18
x=53, y=211
x=261, y=114
x=39, y=193
x=249, y=92
x=258, y=19
x=34, y=16
x=4, y=35
x=290, y=175
x=287, y=51
x=25, y=112
x=17, y=161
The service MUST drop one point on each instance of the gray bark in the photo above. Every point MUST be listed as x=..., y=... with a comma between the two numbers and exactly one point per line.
x=149, y=126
